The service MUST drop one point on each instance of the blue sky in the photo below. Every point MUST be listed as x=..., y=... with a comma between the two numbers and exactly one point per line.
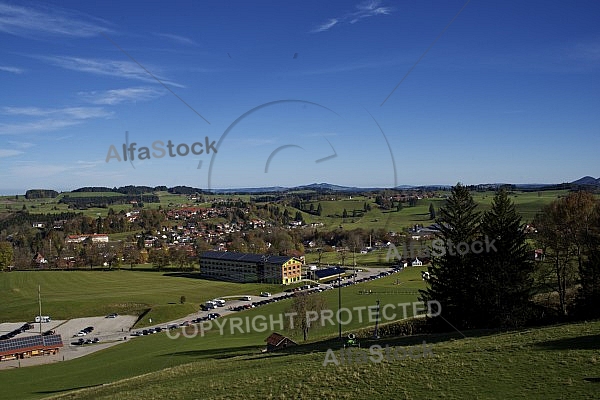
x=508, y=93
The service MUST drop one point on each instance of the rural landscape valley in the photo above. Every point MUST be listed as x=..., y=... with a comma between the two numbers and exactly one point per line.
x=144, y=291
x=368, y=199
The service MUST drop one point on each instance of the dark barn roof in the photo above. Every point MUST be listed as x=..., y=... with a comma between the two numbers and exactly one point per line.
x=275, y=340
x=324, y=273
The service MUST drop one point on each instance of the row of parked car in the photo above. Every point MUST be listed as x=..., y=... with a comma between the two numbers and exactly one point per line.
x=26, y=326
x=83, y=341
x=148, y=331
x=349, y=281
x=158, y=329
x=84, y=331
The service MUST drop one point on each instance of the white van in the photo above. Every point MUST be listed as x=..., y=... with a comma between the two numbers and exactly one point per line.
x=44, y=318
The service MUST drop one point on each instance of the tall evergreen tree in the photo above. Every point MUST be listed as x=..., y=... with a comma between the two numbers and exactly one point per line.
x=452, y=273
x=505, y=270
x=431, y=211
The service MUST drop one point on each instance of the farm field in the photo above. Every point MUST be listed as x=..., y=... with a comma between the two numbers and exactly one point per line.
x=70, y=294
x=527, y=203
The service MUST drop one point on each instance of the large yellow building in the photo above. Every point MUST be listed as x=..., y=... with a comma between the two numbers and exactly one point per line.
x=244, y=267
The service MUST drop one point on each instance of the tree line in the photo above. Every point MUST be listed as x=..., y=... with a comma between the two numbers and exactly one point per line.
x=507, y=285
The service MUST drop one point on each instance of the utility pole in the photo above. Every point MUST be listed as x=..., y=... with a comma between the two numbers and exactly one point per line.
x=354, y=262
x=376, y=335
x=40, y=303
x=340, y=301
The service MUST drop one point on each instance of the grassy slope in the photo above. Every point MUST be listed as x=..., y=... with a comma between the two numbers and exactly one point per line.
x=551, y=362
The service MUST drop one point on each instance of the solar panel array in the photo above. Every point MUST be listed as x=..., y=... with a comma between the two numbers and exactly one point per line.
x=17, y=344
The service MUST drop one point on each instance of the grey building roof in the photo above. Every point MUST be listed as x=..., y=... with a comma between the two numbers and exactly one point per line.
x=245, y=257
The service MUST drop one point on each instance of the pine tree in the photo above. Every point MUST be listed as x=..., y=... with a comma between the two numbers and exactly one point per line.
x=431, y=211
x=452, y=274
x=506, y=268
x=319, y=209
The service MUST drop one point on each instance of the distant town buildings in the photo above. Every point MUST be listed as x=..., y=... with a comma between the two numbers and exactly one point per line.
x=96, y=238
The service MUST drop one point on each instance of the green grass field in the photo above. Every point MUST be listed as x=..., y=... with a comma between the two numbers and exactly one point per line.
x=71, y=294
x=554, y=362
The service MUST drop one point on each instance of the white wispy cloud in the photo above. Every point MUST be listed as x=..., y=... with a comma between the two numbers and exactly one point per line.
x=48, y=119
x=325, y=26
x=89, y=164
x=363, y=10
x=115, y=68
x=12, y=70
x=177, y=38
x=9, y=153
x=67, y=112
x=117, y=96
x=20, y=145
x=46, y=20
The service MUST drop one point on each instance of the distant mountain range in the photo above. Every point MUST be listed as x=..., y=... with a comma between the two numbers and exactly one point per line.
x=585, y=182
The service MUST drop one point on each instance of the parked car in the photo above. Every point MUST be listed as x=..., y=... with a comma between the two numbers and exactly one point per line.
x=113, y=315
x=265, y=294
